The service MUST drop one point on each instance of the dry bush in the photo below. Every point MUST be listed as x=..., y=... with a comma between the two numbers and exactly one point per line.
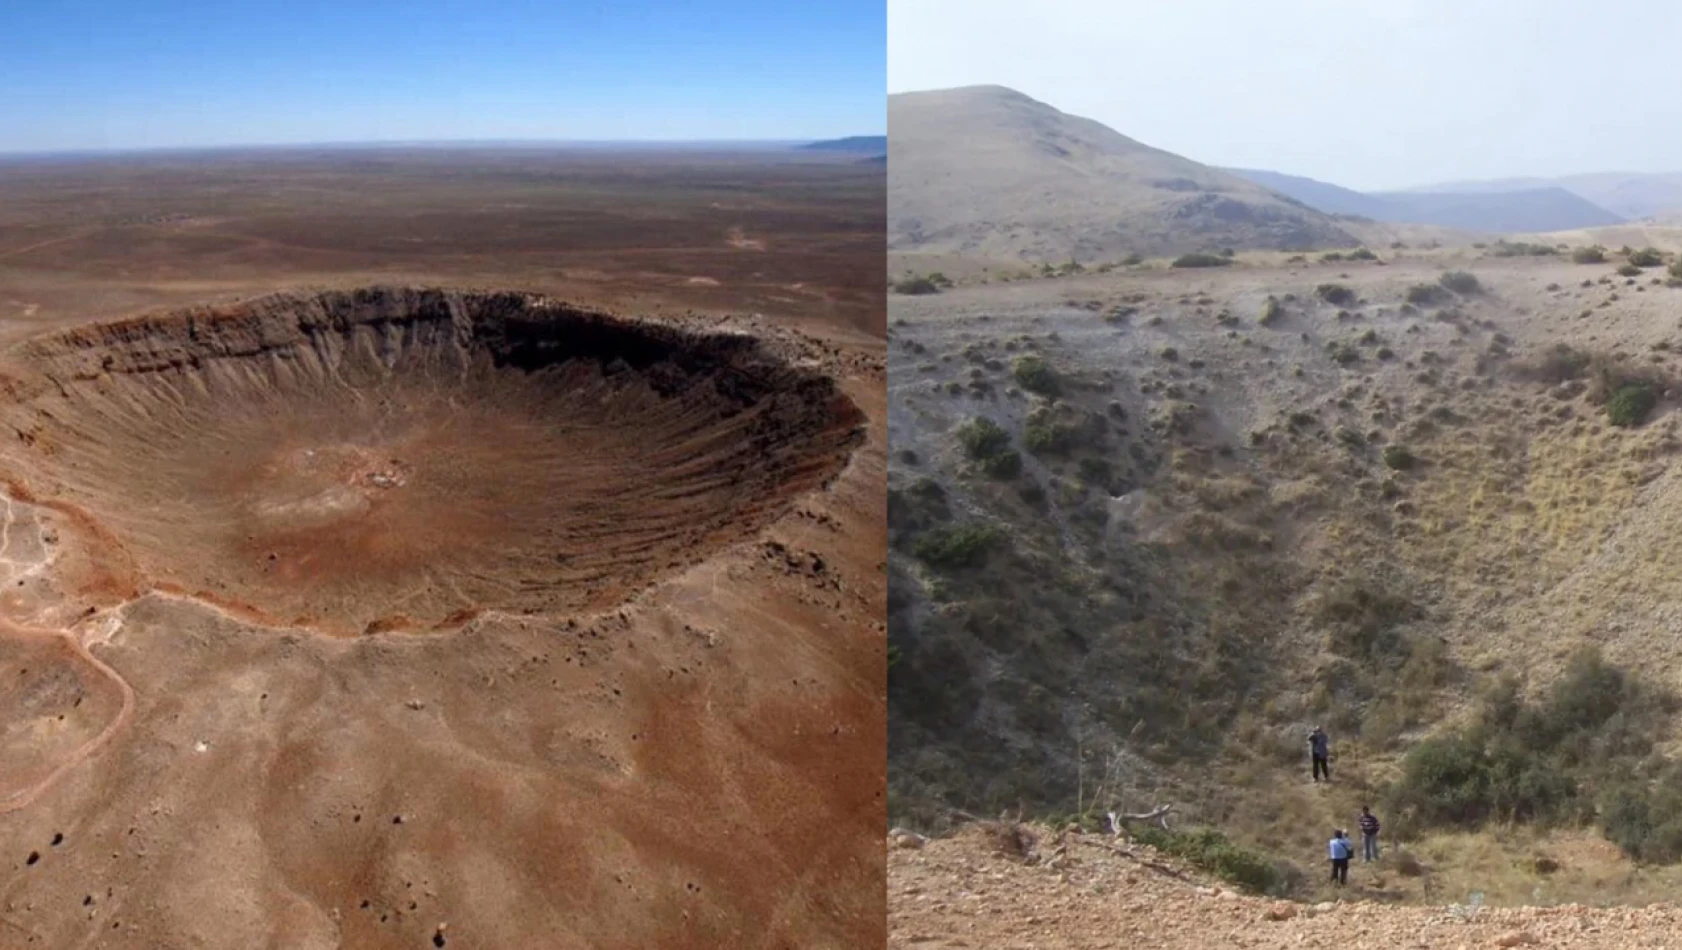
x=1011, y=839
x=1604, y=374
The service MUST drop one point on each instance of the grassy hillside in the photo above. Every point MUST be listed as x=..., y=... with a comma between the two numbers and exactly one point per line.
x=987, y=172
x=1149, y=526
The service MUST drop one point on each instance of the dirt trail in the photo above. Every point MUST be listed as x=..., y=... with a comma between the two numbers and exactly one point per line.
x=78, y=644
x=24, y=797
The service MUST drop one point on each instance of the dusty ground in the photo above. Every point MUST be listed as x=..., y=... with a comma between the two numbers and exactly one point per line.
x=367, y=620
x=797, y=235
x=1239, y=478
x=1090, y=891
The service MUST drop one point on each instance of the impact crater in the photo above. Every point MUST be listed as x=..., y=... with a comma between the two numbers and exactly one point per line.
x=397, y=457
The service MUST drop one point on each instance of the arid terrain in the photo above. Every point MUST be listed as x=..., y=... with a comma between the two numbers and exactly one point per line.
x=776, y=233
x=1092, y=892
x=439, y=548
x=1148, y=526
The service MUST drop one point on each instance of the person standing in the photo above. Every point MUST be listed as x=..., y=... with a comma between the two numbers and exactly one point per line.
x=1369, y=835
x=1339, y=850
x=1320, y=748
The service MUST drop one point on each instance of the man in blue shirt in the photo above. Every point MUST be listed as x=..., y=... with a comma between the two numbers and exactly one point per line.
x=1340, y=850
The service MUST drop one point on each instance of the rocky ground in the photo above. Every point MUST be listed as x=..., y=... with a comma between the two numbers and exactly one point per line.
x=1093, y=891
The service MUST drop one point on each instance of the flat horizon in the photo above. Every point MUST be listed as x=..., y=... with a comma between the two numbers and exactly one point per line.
x=651, y=145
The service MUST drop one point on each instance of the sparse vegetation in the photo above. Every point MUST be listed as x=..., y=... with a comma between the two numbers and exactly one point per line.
x=1557, y=364
x=1399, y=457
x=914, y=284
x=1361, y=617
x=983, y=438
x=1005, y=464
x=1210, y=850
x=1521, y=249
x=988, y=444
x=1425, y=295
x=1036, y=376
x=956, y=546
x=1461, y=282
x=1362, y=254
x=1629, y=270
x=1336, y=294
x=1582, y=753
x=1594, y=254
x=1200, y=260
x=1646, y=257
x=1045, y=436
x=1631, y=404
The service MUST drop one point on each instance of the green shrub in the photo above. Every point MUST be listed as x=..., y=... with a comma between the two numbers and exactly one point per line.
x=1462, y=780
x=1361, y=617
x=957, y=546
x=914, y=286
x=1521, y=249
x=1210, y=850
x=1425, y=295
x=1589, y=255
x=1095, y=470
x=1399, y=457
x=982, y=438
x=1631, y=404
x=1132, y=260
x=1643, y=815
x=1460, y=282
x=1582, y=752
x=1200, y=260
x=1335, y=294
x=1647, y=257
x=1629, y=270
x=1005, y=464
x=1362, y=254
x=1557, y=364
x=1272, y=312
x=1044, y=437
x=1036, y=375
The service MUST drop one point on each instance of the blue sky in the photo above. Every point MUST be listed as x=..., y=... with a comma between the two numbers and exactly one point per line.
x=81, y=74
x=1363, y=93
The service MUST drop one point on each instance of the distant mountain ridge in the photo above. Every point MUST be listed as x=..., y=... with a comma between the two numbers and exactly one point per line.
x=856, y=144
x=986, y=171
x=1630, y=194
x=1528, y=206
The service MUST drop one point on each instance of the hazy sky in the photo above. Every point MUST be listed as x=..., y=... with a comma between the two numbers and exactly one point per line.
x=144, y=73
x=1363, y=93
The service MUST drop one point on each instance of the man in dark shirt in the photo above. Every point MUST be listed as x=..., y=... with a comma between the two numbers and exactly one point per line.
x=1369, y=835
x=1320, y=747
